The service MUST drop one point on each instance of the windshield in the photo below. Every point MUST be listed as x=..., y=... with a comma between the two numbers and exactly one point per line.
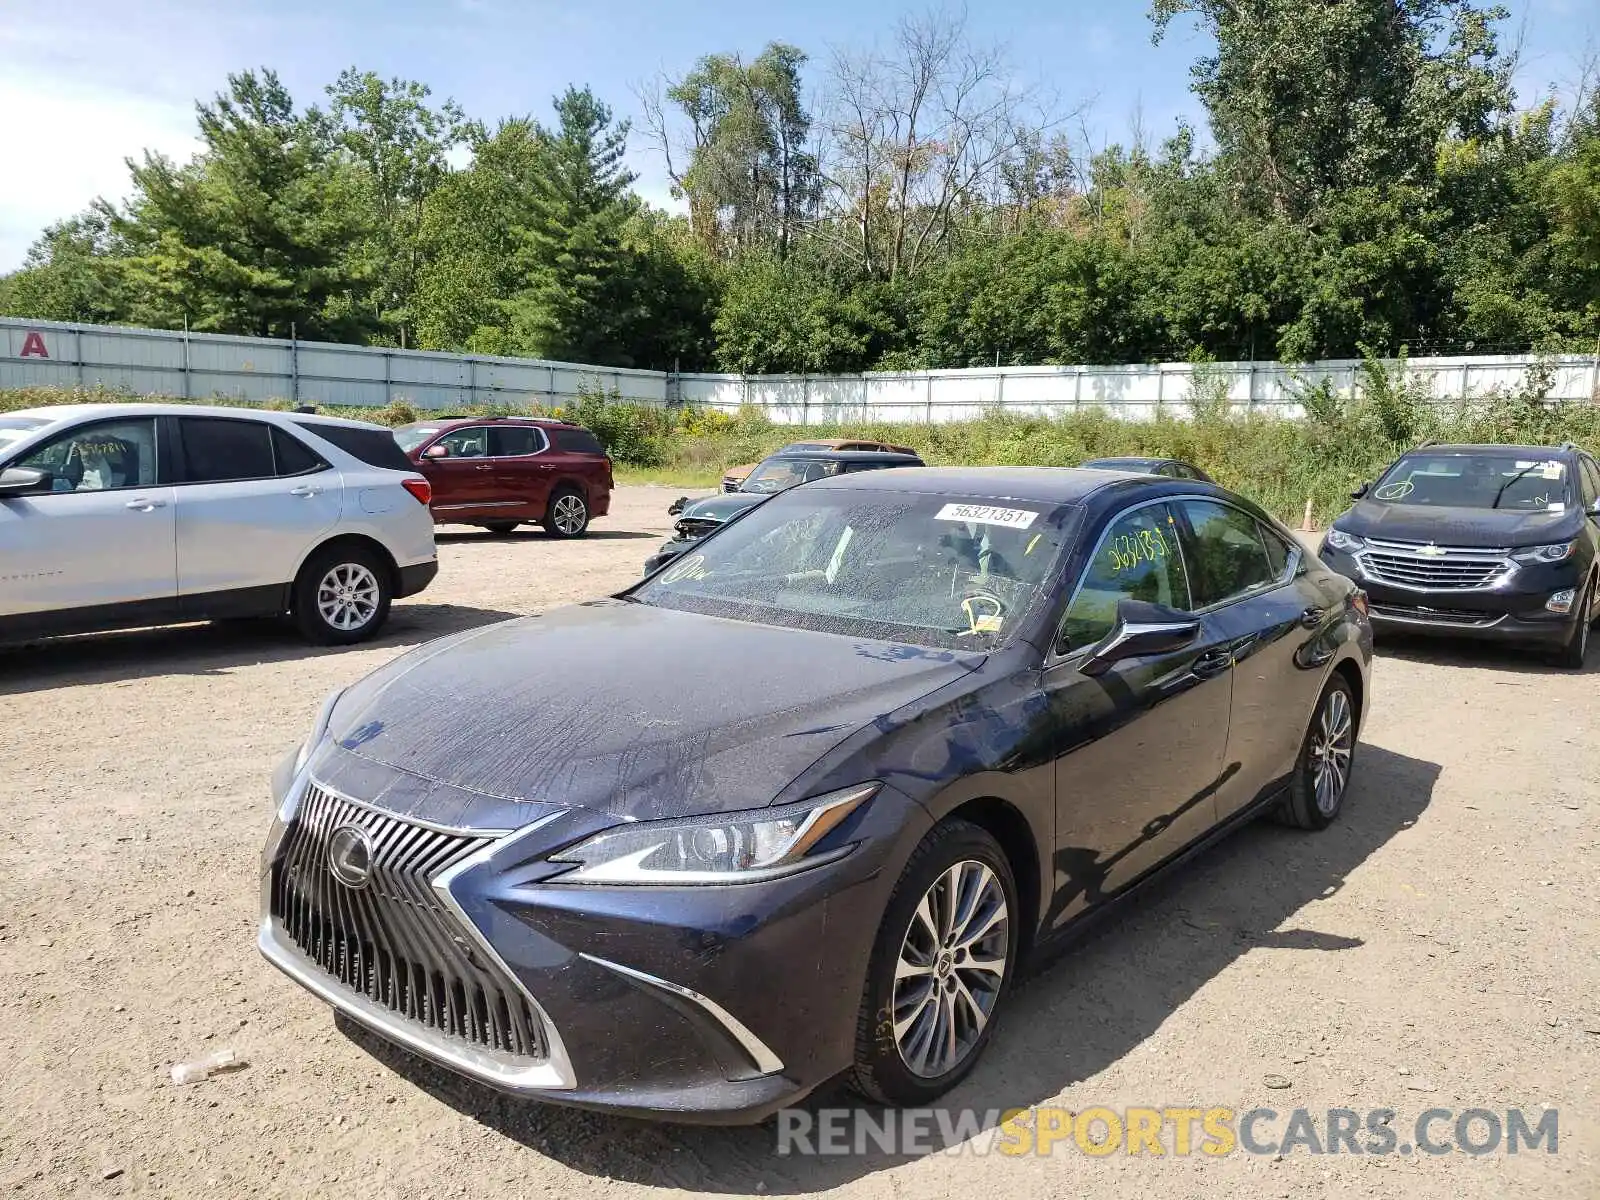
x=1492, y=480
x=950, y=571
x=412, y=436
x=781, y=474
x=14, y=429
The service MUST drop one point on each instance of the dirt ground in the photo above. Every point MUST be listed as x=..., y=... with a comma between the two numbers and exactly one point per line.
x=1436, y=948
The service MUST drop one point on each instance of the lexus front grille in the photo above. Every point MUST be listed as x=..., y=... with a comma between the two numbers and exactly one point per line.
x=1434, y=568
x=392, y=941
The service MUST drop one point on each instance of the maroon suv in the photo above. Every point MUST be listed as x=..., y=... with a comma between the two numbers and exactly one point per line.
x=498, y=472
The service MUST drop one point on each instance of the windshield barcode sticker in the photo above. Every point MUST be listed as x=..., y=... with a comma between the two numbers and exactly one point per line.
x=983, y=514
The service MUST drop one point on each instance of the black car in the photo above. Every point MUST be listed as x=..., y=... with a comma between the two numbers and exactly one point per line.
x=1172, y=468
x=801, y=804
x=1479, y=541
x=776, y=473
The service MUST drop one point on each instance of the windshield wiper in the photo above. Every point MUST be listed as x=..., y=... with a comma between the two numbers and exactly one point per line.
x=1509, y=482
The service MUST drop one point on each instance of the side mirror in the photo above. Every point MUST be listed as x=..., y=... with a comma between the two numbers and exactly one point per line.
x=1361, y=491
x=677, y=506
x=19, y=481
x=437, y=450
x=1141, y=629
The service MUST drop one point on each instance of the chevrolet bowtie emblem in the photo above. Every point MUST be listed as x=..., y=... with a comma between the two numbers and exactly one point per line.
x=1432, y=551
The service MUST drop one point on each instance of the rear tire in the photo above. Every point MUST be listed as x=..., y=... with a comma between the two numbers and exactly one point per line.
x=929, y=1007
x=501, y=527
x=1322, y=772
x=567, y=514
x=342, y=595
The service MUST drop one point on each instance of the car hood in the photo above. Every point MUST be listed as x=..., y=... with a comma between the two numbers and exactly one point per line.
x=1459, y=526
x=617, y=707
x=720, y=508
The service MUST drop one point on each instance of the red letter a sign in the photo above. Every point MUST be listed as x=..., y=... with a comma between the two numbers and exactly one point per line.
x=33, y=345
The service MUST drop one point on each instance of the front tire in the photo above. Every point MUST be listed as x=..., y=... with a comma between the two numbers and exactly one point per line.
x=342, y=595
x=1575, y=649
x=567, y=514
x=1322, y=772
x=941, y=968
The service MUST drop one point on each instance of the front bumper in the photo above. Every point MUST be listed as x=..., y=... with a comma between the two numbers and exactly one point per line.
x=697, y=1004
x=1511, y=611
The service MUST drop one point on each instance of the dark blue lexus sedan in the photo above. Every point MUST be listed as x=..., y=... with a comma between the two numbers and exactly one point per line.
x=798, y=805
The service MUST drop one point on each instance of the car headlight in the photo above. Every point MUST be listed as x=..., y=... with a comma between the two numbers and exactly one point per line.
x=729, y=848
x=1559, y=552
x=1348, y=543
x=319, y=730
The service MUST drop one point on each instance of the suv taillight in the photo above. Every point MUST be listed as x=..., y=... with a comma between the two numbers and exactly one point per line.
x=418, y=487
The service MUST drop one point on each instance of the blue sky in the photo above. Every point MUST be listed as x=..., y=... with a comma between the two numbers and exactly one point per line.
x=85, y=84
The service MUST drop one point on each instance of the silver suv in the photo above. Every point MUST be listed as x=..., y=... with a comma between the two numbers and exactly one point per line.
x=114, y=515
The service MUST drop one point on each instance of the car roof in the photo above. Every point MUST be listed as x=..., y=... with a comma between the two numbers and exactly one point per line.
x=883, y=456
x=1059, y=485
x=1494, y=448
x=452, y=422
x=137, y=408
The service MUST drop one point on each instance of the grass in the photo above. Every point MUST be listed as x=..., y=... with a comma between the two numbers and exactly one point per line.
x=1280, y=463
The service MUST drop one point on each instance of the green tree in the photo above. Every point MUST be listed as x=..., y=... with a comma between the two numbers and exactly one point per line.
x=71, y=274
x=1307, y=98
x=468, y=242
x=402, y=145
x=576, y=293
x=751, y=179
x=253, y=235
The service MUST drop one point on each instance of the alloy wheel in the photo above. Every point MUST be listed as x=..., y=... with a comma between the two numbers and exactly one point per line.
x=953, y=960
x=348, y=596
x=1331, y=746
x=568, y=514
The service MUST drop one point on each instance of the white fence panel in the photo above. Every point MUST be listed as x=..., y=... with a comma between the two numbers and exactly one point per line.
x=43, y=353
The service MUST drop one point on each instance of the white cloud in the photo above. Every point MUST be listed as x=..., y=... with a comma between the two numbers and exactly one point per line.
x=66, y=142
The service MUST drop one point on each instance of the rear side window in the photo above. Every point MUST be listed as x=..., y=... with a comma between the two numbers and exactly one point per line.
x=576, y=441
x=1227, y=556
x=509, y=441
x=375, y=447
x=292, y=456
x=216, y=449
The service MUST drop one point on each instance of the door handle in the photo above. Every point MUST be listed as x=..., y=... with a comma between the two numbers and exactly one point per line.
x=303, y=490
x=1212, y=662
x=1312, y=617
x=485, y=467
x=143, y=504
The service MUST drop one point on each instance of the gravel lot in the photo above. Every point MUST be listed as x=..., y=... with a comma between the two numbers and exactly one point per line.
x=1436, y=948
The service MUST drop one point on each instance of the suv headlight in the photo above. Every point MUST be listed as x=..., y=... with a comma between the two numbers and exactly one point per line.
x=729, y=848
x=1559, y=552
x=1348, y=543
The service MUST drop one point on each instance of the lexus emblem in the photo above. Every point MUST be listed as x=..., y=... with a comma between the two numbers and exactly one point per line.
x=350, y=856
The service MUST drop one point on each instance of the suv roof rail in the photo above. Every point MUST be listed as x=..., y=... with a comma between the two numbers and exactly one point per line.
x=1425, y=443
x=1567, y=446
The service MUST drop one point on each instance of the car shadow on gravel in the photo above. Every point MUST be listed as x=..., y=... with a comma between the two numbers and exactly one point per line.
x=210, y=648
x=535, y=534
x=1491, y=656
x=1070, y=1020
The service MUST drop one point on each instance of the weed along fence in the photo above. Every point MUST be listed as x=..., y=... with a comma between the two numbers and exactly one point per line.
x=200, y=366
